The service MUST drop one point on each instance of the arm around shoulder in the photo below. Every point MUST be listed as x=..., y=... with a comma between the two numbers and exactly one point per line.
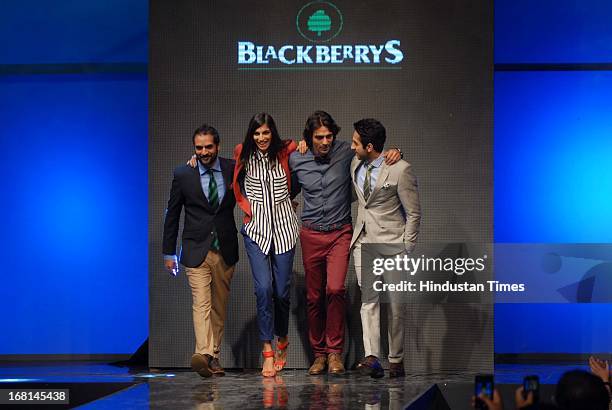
x=290, y=146
x=237, y=152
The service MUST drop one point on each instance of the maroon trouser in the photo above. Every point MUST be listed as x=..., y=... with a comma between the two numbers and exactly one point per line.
x=326, y=257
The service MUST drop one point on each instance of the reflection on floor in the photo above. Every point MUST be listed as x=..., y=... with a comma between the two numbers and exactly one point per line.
x=248, y=390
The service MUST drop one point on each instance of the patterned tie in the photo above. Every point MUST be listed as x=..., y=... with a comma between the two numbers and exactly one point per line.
x=366, y=184
x=213, y=200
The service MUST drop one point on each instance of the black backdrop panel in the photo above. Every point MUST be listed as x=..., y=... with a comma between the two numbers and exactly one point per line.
x=436, y=104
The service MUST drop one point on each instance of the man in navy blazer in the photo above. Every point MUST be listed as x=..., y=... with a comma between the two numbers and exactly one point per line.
x=209, y=242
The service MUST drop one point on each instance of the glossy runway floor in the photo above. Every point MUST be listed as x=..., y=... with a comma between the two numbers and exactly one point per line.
x=141, y=389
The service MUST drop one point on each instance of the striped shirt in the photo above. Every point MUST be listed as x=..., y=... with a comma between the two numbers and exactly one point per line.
x=274, y=223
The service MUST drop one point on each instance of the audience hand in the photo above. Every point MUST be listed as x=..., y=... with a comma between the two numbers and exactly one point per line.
x=495, y=404
x=600, y=368
x=520, y=401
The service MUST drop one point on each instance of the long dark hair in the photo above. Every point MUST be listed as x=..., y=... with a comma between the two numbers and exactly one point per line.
x=317, y=120
x=249, y=146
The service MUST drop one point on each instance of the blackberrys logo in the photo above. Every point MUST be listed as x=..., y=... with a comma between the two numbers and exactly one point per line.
x=319, y=21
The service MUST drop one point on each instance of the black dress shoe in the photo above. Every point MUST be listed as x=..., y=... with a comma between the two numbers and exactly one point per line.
x=397, y=370
x=370, y=366
x=200, y=364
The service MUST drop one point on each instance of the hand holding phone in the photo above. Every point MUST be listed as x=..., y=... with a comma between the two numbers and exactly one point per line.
x=483, y=386
x=531, y=384
x=171, y=265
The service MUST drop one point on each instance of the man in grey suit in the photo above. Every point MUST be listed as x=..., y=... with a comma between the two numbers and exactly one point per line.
x=389, y=212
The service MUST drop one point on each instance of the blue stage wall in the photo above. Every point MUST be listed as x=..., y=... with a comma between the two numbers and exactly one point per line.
x=553, y=144
x=553, y=183
x=553, y=31
x=553, y=149
x=74, y=172
x=67, y=31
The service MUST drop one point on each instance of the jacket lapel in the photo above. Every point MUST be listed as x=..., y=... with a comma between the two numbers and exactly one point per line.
x=382, y=177
x=354, y=165
x=226, y=171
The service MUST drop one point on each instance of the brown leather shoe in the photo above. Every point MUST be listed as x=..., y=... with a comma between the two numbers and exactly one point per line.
x=199, y=364
x=215, y=367
x=397, y=369
x=319, y=366
x=334, y=363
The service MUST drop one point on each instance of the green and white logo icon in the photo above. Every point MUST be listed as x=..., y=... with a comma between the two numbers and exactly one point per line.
x=319, y=21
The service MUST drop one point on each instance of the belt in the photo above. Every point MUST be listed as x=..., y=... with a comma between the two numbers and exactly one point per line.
x=324, y=228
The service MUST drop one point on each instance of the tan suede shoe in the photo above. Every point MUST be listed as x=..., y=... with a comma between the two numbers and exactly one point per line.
x=319, y=366
x=334, y=363
x=199, y=364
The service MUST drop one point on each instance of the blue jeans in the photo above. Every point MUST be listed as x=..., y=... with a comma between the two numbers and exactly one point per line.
x=272, y=278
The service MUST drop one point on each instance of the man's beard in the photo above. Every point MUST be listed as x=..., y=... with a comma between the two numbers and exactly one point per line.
x=201, y=159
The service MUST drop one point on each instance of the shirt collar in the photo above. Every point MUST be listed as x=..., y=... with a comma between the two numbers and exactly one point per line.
x=216, y=166
x=376, y=163
x=260, y=155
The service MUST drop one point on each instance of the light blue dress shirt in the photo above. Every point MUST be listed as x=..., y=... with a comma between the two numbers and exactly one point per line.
x=205, y=179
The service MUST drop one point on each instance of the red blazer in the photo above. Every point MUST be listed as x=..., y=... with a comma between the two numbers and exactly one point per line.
x=241, y=199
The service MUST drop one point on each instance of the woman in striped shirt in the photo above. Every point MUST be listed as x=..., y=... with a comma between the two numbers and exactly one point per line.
x=262, y=185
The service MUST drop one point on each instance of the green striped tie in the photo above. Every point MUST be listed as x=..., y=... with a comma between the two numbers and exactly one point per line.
x=366, y=184
x=213, y=200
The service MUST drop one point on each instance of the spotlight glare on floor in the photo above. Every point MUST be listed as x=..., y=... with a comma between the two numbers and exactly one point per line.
x=154, y=375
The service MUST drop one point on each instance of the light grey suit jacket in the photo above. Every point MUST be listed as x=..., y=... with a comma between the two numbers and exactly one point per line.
x=392, y=213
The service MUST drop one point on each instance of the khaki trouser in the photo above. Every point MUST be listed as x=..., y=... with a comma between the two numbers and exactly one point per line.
x=370, y=318
x=210, y=286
